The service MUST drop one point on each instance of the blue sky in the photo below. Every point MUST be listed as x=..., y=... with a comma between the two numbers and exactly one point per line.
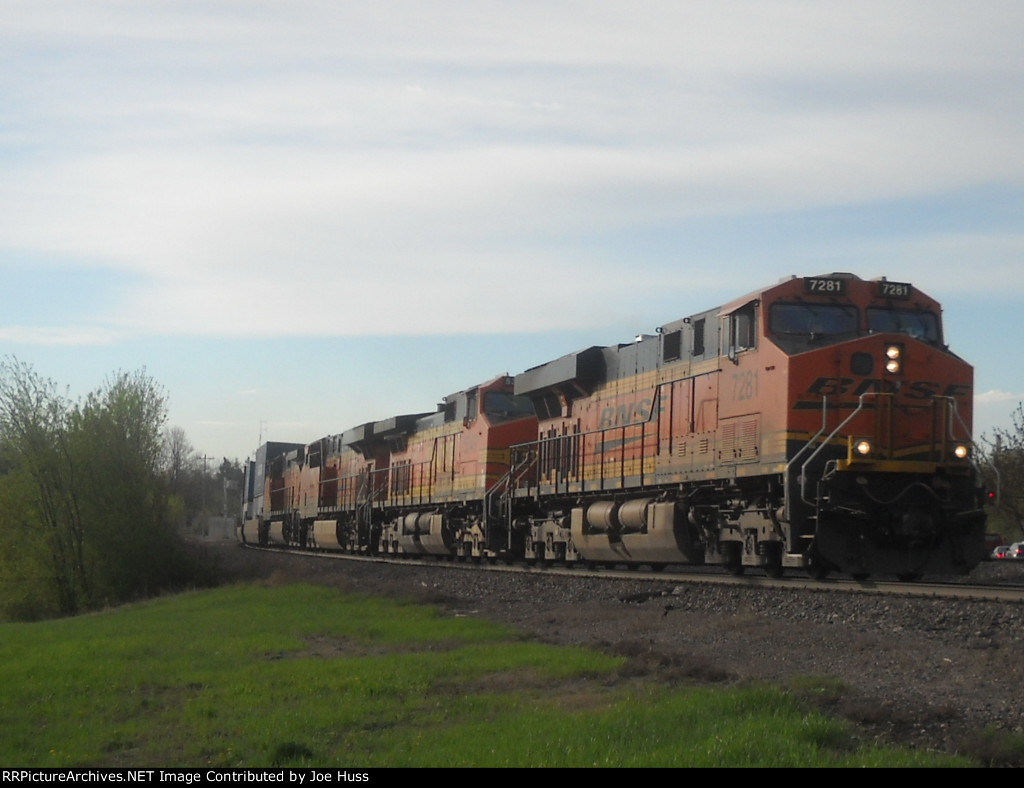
x=300, y=216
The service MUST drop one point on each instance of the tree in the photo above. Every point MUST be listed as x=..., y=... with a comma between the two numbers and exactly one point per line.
x=179, y=458
x=84, y=512
x=232, y=478
x=44, y=519
x=118, y=446
x=1005, y=457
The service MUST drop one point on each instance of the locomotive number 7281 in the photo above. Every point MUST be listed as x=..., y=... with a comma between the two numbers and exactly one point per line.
x=744, y=385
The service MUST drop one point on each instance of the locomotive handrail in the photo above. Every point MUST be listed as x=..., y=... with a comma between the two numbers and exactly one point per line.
x=649, y=419
x=364, y=501
x=515, y=470
x=489, y=503
x=955, y=413
x=813, y=438
x=535, y=446
x=824, y=443
x=505, y=482
x=806, y=446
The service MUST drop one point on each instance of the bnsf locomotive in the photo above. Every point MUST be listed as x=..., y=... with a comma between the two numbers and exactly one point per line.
x=820, y=423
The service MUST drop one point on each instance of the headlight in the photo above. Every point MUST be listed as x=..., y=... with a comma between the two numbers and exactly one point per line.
x=893, y=359
x=961, y=451
x=862, y=447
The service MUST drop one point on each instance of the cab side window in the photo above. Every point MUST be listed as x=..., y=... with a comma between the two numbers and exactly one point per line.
x=698, y=337
x=742, y=329
x=672, y=346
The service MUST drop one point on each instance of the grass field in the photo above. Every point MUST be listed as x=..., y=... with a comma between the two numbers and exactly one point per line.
x=307, y=676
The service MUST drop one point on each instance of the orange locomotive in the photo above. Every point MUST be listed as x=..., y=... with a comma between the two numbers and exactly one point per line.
x=819, y=423
x=414, y=484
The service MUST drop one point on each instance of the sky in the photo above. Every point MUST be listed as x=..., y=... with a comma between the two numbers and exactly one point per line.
x=297, y=217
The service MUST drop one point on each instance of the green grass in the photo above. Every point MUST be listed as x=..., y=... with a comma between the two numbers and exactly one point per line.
x=307, y=676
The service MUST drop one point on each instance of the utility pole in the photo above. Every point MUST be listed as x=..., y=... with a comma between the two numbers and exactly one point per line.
x=206, y=519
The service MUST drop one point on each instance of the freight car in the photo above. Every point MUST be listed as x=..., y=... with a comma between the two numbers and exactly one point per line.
x=820, y=423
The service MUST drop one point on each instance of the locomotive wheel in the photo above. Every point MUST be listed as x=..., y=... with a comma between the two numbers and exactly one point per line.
x=773, y=559
x=816, y=568
x=732, y=558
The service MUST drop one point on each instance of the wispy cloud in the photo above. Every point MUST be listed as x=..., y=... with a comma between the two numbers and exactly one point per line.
x=57, y=335
x=504, y=157
x=178, y=177
x=996, y=397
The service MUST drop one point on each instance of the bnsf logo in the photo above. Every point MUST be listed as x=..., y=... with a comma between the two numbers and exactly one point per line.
x=918, y=389
x=627, y=413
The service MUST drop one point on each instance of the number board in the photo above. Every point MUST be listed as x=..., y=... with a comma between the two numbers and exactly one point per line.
x=894, y=290
x=823, y=285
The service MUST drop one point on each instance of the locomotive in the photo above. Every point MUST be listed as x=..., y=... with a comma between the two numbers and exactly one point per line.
x=819, y=423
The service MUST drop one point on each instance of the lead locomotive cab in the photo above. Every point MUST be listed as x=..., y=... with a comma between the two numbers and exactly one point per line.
x=880, y=473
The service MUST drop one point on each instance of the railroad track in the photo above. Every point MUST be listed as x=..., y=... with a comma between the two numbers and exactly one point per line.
x=675, y=575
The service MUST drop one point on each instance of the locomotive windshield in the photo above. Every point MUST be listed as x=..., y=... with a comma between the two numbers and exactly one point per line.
x=500, y=406
x=814, y=322
x=920, y=325
x=799, y=325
